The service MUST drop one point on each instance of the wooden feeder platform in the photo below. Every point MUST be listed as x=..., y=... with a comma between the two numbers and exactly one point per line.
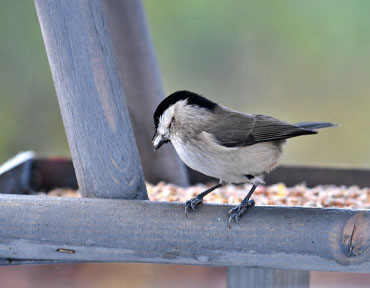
x=43, y=229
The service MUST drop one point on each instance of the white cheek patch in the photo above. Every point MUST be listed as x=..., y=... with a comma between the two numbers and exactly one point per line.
x=165, y=120
x=160, y=128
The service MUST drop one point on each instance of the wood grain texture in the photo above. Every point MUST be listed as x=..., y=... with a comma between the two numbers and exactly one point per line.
x=36, y=228
x=141, y=82
x=91, y=100
x=251, y=277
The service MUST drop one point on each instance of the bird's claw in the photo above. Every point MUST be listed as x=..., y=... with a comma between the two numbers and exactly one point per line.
x=238, y=211
x=191, y=204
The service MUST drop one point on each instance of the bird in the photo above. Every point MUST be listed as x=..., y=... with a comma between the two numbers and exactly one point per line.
x=223, y=143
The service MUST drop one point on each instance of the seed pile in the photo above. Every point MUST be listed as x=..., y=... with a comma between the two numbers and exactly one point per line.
x=278, y=194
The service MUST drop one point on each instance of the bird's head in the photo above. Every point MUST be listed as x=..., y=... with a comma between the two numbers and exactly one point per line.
x=171, y=110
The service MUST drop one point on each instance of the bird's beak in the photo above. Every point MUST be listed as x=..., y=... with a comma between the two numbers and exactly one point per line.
x=157, y=141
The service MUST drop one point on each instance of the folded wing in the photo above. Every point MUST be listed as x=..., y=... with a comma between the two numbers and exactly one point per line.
x=234, y=129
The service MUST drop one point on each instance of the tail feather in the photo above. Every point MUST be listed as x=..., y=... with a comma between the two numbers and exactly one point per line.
x=315, y=125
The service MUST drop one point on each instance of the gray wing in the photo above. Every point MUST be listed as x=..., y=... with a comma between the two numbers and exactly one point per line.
x=234, y=129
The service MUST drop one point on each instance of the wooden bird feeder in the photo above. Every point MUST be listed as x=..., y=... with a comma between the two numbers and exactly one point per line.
x=100, y=57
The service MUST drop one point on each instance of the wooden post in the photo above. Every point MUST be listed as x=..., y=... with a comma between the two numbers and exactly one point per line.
x=248, y=277
x=91, y=100
x=141, y=82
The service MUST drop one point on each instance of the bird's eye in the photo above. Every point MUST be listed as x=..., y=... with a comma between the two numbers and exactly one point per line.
x=169, y=126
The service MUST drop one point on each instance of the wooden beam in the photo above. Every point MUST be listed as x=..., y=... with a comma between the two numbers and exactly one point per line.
x=141, y=82
x=91, y=100
x=34, y=228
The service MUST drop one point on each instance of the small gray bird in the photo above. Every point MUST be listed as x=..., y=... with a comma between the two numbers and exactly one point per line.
x=223, y=143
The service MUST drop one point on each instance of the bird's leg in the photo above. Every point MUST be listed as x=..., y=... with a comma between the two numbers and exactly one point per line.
x=199, y=198
x=239, y=210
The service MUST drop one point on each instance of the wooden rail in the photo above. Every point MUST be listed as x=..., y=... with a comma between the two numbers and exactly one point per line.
x=50, y=229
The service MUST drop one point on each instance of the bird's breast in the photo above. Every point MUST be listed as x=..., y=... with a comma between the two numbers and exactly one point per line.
x=203, y=154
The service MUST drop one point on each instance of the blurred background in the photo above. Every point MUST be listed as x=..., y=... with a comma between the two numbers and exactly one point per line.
x=295, y=60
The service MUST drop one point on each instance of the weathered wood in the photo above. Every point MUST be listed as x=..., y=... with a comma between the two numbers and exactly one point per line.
x=251, y=277
x=141, y=82
x=92, y=103
x=78, y=230
x=10, y=261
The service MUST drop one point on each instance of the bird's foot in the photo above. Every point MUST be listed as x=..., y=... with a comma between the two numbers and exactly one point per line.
x=192, y=203
x=239, y=210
